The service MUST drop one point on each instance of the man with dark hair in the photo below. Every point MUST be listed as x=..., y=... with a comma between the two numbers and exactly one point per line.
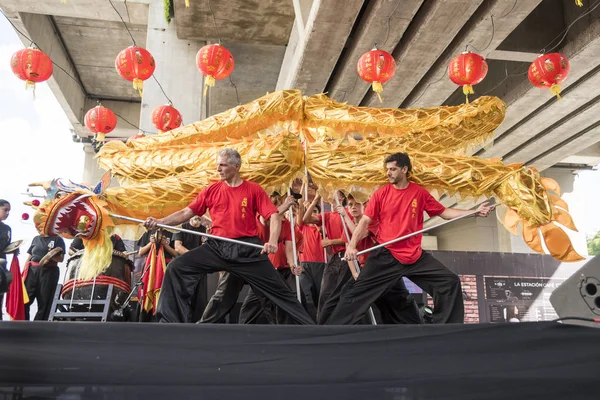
x=233, y=204
x=398, y=209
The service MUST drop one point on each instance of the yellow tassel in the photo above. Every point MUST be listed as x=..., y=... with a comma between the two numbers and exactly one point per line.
x=209, y=81
x=100, y=137
x=378, y=88
x=30, y=84
x=579, y=3
x=555, y=89
x=467, y=90
x=139, y=85
x=187, y=3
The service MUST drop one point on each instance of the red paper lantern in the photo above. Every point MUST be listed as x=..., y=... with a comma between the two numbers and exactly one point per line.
x=136, y=65
x=215, y=62
x=166, y=118
x=32, y=66
x=548, y=71
x=376, y=67
x=467, y=70
x=100, y=120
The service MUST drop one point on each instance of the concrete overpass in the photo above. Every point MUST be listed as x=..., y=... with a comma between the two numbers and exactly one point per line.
x=314, y=45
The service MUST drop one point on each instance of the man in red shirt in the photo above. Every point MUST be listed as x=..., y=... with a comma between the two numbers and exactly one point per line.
x=398, y=208
x=396, y=306
x=233, y=204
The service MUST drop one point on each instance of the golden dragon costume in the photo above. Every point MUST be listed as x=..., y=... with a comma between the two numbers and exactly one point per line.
x=283, y=135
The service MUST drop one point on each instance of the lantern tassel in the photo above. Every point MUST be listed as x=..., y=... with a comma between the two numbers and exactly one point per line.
x=100, y=137
x=209, y=81
x=30, y=84
x=467, y=90
x=555, y=89
x=138, y=84
x=187, y=3
x=378, y=88
x=579, y=3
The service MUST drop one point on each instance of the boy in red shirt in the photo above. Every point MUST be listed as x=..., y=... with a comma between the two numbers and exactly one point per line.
x=233, y=205
x=336, y=272
x=312, y=257
x=398, y=208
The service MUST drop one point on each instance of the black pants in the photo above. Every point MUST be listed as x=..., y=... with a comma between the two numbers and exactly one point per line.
x=256, y=309
x=396, y=305
x=41, y=284
x=382, y=272
x=310, y=281
x=335, y=276
x=199, y=301
x=224, y=299
x=183, y=273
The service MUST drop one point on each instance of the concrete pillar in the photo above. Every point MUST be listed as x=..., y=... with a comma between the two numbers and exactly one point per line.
x=175, y=70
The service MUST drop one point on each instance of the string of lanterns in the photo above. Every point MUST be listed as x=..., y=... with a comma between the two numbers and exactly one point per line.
x=215, y=62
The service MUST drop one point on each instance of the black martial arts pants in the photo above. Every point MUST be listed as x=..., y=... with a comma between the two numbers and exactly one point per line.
x=224, y=299
x=396, y=306
x=258, y=310
x=41, y=284
x=245, y=262
x=335, y=276
x=310, y=281
x=382, y=272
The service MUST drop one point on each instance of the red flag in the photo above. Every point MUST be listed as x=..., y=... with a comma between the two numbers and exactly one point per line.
x=156, y=264
x=17, y=295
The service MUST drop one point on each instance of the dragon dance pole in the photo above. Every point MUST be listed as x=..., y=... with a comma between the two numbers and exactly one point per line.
x=356, y=266
x=141, y=221
x=293, y=228
x=323, y=227
x=417, y=232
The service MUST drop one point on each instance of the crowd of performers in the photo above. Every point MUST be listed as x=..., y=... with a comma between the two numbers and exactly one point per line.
x=321, y=252
x=265, y=260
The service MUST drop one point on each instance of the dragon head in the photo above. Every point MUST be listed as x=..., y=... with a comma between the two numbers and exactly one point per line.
x=69, y=215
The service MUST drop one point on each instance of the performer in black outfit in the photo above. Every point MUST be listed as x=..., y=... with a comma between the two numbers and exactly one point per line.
x=41, y=276
x=77, y=244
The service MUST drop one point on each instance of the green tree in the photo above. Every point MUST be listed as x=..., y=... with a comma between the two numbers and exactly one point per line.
x=594, y=245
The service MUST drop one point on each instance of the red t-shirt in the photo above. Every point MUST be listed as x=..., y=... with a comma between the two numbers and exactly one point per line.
x=334, y=229
x=399, y=212
x=279, y=259
x=312, y=251
x=233, y=209
x=366, y=242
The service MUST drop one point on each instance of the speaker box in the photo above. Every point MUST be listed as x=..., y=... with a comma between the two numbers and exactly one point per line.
x=579, y=296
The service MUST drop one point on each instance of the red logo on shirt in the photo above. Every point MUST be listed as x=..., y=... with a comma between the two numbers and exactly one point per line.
x=244, y=205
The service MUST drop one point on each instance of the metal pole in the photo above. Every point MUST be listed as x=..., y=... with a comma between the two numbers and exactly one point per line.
x=258, y=246
x=356, y=265
x=323, y=227
x=292, y=227
x=414, y=233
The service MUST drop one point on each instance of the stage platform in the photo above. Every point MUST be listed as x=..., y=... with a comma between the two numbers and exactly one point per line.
x=82, y=360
